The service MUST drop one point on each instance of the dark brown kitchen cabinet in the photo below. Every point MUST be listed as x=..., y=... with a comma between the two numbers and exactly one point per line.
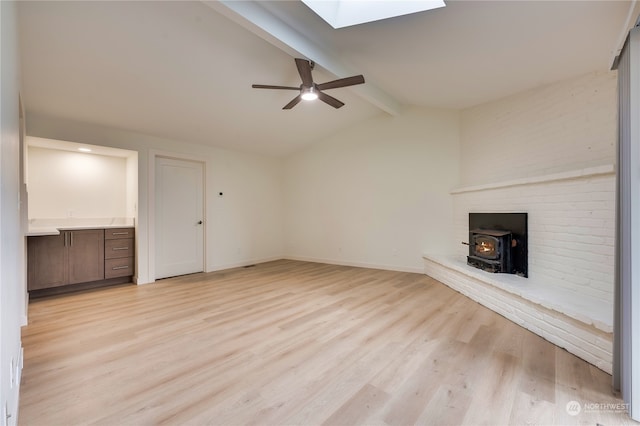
x=119, y=252
x=72, y=257
x=47, y=261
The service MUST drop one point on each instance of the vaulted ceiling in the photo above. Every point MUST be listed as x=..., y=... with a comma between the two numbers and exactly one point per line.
x=183, y=69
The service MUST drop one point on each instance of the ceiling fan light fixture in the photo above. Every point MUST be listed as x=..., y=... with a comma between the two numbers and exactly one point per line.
x=309, y=90
x=309, y=94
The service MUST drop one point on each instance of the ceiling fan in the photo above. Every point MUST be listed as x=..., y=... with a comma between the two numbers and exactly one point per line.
x=310, y=90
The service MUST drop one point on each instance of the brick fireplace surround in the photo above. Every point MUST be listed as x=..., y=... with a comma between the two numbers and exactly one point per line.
x=568, y=296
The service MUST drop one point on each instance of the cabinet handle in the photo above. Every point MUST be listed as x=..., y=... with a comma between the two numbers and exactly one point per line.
x=66, y=235
x=120, y=248
x=70, y=238
x=119, y=233
x=120, y=267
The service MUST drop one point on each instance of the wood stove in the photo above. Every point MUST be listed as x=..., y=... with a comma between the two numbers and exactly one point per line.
x=490, y=250
x=498, y=242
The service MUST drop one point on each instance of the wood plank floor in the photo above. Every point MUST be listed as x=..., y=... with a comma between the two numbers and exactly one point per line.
x=299, y=343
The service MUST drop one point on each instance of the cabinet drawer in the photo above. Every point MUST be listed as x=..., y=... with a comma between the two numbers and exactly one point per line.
x=114, y=249
x=117, y=233
x=118, y=267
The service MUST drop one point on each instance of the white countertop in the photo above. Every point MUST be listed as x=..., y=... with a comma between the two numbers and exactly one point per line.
x=40, y=227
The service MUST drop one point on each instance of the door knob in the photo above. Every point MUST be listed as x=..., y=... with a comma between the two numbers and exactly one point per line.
x=199, y=222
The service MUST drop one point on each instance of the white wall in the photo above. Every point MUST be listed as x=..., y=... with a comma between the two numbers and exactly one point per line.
x=564, y=126
x=131, y=208
x=242, y=227
x=376, y=194
x=12, y=281
x=65, y=184
x=247, y=220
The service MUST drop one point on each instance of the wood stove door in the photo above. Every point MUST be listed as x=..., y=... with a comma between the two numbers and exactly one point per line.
x=486, y=246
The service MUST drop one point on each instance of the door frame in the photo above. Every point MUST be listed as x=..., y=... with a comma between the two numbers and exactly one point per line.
x=151, y=214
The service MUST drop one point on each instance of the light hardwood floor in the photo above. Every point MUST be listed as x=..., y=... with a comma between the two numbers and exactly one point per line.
x=301, y=343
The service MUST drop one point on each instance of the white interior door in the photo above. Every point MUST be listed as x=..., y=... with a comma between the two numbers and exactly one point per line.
x=179, y=216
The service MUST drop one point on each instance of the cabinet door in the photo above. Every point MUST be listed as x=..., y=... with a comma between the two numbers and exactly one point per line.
x=86, y=255
x=47, y=261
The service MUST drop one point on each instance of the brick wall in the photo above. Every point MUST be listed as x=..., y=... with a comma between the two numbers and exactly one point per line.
x=549, y=152
x=571, y=229
x=565, y=126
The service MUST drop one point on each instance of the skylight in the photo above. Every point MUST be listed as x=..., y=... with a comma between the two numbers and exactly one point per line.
x=344, y=13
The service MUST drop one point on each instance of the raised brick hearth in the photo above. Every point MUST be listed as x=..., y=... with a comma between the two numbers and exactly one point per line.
x=568, y=296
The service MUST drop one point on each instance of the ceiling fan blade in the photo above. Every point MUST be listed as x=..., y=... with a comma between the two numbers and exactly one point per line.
x=330, y=100
x=304, y=69
x=342, y=82
x=267, y=86
x=293, y=102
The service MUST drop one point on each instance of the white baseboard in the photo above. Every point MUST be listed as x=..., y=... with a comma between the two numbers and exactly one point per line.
x=399, y=268
x=417, y=269
x=244, y=263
